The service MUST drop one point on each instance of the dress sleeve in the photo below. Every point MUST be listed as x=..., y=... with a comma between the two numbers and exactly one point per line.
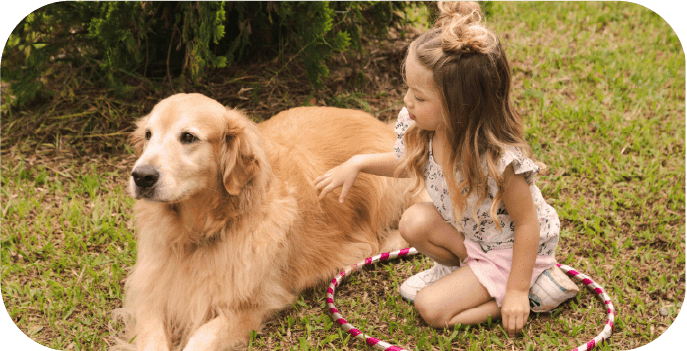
x=403, y=123
x=521, y=164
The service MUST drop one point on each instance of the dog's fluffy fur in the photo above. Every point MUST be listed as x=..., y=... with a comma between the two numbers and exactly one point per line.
x=232, y=228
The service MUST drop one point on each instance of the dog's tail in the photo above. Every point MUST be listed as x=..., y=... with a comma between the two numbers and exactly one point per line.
x=391, y=204
x=393, y=242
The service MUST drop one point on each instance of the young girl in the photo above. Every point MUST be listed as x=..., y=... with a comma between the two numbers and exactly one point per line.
x=489, y=231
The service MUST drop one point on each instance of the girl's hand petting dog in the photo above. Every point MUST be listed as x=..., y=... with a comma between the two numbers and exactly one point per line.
x=343, y=175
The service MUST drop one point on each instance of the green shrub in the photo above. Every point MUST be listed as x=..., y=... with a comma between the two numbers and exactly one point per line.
x=121, y=44
x=41, y=43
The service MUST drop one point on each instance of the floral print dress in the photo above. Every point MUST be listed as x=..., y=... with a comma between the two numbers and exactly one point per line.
x=489, y=249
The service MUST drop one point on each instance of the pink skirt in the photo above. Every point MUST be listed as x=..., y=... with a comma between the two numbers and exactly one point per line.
x=493, y=268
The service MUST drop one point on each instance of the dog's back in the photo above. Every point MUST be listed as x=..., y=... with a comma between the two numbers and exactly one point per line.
x=331, y=134
x=305, y=142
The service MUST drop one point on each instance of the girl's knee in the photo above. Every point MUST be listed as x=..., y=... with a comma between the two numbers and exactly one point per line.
x=431, y=311
x=417, y=221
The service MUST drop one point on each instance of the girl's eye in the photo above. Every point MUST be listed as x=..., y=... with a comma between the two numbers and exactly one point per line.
x=188, y=138
x=418, y=99
x=148, y=134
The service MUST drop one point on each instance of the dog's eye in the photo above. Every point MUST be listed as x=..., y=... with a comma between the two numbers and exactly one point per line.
x=148, y=135
x=188, y=138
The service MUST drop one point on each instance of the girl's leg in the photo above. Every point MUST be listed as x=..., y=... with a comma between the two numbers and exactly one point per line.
x=456, y=298
x=423, y=228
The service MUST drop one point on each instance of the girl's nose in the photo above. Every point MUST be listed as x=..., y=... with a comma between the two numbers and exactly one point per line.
x=406, y=100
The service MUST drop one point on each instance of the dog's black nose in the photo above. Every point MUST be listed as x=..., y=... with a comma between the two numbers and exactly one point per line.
x=145, y=176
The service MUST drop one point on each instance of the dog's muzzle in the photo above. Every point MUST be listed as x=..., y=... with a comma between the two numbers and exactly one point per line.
x=145, y=176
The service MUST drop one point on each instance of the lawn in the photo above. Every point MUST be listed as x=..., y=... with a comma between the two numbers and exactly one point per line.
x=601, y=87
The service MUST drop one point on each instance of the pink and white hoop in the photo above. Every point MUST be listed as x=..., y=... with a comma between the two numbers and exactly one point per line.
x=383, y=345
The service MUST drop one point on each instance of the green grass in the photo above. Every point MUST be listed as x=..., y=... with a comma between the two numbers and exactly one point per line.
x=66, y=243
x=602, y=90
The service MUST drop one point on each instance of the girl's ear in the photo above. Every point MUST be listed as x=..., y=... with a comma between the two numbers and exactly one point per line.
x=239, y=164
x=137, y=137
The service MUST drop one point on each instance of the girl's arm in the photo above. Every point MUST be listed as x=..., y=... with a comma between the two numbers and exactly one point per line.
x=377, y=164
x=345, y=174
x=520, y=206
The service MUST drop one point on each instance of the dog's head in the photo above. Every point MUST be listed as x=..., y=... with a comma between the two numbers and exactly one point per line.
x=190, y=144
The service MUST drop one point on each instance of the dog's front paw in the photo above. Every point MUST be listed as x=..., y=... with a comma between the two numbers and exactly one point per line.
x=201, y=343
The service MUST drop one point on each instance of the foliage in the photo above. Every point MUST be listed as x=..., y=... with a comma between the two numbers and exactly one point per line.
x=43, y=41
x=195, y=25
x=124, y=44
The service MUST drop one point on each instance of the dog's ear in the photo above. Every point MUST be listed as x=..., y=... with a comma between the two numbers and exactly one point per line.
x=239, y=164
x=137, y=137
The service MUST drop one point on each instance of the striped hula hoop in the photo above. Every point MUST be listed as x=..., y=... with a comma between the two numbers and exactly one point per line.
x=383, y=345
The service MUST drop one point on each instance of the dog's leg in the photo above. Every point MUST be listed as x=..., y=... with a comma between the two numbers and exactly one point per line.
x=227, y=331
x=151, y=334
x=208, y=335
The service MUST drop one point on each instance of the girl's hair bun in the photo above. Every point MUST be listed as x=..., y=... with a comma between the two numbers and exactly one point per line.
x=450, y=10
x=462, y=30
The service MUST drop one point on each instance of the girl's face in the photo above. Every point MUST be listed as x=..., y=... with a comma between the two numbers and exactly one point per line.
x=423, y=99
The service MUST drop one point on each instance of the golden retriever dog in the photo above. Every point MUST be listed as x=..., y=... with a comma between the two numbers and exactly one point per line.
x=230, y=228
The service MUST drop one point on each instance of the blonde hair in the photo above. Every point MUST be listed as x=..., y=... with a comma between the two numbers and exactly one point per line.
x=472, y=75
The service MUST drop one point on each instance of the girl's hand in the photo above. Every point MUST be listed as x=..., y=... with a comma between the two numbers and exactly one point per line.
x=515, y=310
x=520, y=206
x=343, y=175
